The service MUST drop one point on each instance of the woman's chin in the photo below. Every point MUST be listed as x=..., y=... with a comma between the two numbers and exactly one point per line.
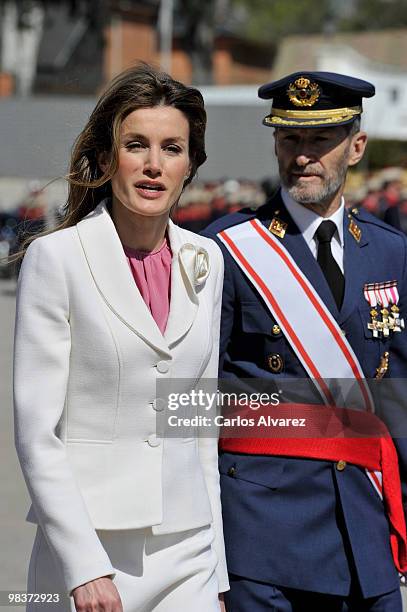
x=147, y=208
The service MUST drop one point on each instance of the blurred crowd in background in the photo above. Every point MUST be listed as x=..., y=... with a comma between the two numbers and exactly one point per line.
x=382, y=193
x=56, y=57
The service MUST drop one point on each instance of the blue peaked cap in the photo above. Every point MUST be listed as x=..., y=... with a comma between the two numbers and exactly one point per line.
x=315, y=99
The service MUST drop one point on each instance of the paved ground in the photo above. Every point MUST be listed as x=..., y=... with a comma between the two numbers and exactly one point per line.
x=16, y=536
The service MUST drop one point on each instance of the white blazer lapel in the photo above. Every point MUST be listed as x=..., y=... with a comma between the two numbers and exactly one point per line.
x=184, y=300
x=112, y=275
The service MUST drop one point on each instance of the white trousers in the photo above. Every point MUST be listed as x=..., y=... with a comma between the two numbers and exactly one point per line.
x=154, y=573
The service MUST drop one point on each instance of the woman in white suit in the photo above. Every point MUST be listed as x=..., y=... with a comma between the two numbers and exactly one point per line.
x=118, y=300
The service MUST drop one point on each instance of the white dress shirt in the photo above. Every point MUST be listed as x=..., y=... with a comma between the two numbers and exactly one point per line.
x=308, y=222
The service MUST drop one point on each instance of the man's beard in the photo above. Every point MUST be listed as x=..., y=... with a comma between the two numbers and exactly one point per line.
x=321, y=194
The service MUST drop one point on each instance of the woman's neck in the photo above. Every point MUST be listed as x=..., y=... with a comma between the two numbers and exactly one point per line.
x=139, y=232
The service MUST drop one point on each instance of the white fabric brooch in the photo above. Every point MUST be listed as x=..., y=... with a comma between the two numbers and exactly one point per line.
x=196, y=263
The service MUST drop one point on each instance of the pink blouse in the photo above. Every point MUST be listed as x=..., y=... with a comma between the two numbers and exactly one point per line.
x=152, y=273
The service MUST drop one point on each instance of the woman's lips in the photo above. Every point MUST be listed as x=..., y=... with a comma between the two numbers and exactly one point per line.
x=150, y=191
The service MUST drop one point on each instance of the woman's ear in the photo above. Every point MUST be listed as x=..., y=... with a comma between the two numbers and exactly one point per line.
x=188, y=174
x=103, y=161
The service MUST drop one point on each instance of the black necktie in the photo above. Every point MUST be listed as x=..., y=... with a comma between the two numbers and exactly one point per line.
x=327, y=262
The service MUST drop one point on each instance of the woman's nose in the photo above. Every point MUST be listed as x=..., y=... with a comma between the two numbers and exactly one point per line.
x=153, y=163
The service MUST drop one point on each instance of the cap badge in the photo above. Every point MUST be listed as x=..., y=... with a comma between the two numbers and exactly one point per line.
x=303, y=92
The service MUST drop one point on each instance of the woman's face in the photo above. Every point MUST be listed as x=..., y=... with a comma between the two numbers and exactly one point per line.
x=153, y=160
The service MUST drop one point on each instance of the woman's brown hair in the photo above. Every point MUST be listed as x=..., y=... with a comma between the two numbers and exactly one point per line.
x=141, y=86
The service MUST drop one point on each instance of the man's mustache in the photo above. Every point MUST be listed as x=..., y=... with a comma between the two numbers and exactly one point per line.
x=309, y=171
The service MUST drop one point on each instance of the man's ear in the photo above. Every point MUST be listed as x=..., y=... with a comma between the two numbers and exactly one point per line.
x=357, y=148
x=103, y=161
x=275, y=140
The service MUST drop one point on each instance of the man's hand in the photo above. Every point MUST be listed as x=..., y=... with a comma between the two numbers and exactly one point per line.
x=221, y=603
x=98, y=595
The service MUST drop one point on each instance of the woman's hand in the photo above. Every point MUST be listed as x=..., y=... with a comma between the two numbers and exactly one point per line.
x=221, y=603
x=98, y=595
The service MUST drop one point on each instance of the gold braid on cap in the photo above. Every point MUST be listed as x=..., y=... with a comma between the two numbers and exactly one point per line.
x=282, y=116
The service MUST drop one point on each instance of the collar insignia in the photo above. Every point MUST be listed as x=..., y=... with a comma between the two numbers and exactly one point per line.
x=278, y=227
x=355, y=230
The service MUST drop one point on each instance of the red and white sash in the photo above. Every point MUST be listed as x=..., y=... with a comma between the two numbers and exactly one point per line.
x=313, y=333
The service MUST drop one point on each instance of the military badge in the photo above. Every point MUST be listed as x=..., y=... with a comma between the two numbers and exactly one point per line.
x=303, y=92
x=355, y=230
x=278, y=227
x=384, y=311
x=383, y=366
x=275, y=363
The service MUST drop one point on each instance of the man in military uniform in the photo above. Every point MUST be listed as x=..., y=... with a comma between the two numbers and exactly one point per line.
x=314, y=292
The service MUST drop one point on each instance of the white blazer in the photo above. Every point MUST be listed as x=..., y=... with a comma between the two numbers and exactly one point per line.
x=87, y=357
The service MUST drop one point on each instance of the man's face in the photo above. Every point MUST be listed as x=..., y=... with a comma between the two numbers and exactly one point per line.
x=313, y=162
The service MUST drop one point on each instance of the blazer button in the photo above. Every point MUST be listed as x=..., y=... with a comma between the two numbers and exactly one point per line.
x=153, y=440
x=163, y=367
x=232, y=471
x=341, y=465
x=158, y=404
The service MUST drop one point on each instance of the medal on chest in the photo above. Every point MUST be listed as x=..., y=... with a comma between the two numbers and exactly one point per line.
x=383, y=299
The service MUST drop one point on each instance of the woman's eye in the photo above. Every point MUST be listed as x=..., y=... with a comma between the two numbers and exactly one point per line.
x=173, y=148
x=134, y=145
